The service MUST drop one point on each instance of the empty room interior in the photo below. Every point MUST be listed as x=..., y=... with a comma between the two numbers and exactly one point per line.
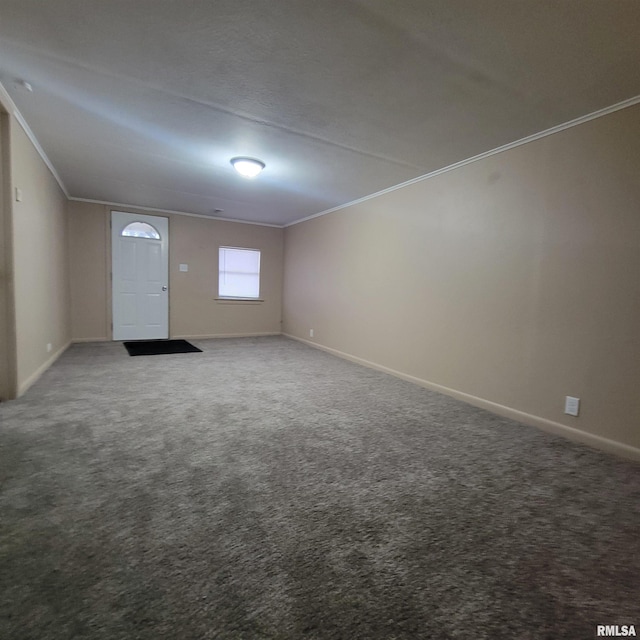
x=319, y=319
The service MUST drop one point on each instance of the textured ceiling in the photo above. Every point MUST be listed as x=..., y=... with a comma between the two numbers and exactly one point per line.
x=145, y=102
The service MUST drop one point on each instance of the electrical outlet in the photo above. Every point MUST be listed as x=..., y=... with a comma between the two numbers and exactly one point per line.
x=49, y=347
x=311, y=333
x=571, y=406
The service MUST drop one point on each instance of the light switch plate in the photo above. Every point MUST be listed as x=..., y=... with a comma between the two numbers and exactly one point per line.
x=184, y=267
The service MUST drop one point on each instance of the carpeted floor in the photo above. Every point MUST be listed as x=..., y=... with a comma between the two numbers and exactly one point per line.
x=264, y=489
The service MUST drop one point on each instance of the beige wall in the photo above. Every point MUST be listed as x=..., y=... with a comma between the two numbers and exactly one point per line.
x=88, y=270
x=40, y=261
x=194, y=312
x=513, y=279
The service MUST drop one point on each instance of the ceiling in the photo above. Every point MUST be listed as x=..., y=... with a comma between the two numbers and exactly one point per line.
x=144, y=103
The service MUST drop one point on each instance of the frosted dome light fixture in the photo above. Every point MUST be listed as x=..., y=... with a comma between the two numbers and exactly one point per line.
x=247, y=167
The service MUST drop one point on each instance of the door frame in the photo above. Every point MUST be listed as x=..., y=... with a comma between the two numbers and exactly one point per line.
x=8, y=347
x=109, y=256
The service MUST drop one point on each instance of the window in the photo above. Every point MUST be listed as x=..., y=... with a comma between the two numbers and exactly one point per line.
x=140, y=230
x=238, y=273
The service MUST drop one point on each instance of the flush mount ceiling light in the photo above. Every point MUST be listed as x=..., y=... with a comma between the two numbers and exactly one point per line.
x=247, y=167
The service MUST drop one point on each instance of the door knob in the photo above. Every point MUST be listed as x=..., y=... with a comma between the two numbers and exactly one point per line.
x=164, y=287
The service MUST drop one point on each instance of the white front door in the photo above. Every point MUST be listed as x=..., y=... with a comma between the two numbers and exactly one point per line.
x=140, y=276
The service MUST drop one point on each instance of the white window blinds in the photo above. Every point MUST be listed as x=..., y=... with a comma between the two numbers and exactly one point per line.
x=238, y=273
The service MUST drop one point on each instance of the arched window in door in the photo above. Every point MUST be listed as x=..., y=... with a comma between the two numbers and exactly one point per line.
x=140, y=230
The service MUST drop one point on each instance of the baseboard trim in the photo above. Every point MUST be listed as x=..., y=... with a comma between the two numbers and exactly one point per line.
x=26, y=384
x=188, y=337
x=571, y=433
x=210, y=336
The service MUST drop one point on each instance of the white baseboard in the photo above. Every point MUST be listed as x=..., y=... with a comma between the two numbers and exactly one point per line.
x=226, y=335
x=188, y=337
x=571, y=433
x=24, y=386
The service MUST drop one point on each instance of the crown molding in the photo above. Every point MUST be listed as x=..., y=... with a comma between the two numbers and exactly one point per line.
x=10, y=106
x=481, y=156
x=124, y=206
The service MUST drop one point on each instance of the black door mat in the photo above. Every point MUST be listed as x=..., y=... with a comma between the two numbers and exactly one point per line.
x=158, y=347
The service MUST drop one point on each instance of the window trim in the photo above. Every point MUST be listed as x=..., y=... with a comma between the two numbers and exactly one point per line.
x=240, y=299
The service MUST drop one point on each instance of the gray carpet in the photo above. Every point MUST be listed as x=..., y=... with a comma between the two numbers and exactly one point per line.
x=264, y=489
